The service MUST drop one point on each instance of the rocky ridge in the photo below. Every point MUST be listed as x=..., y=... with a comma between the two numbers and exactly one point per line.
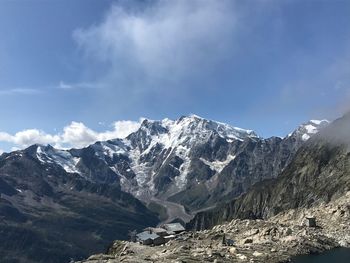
x=274, y=240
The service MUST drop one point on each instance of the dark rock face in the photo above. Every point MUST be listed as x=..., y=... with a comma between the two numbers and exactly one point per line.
x=48, y=215
x=319, y=173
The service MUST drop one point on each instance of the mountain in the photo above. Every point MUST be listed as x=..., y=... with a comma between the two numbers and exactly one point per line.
x=318, y=174
x=66, y=204
x=182, y=166
x=50, y=215
x=191, y=162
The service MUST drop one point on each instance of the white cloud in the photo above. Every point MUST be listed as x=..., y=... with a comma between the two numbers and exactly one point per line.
x=28, y=137
x=121, y=130
x=82, y=85
x=75, y=135
x=175, y=38
x=78, y=135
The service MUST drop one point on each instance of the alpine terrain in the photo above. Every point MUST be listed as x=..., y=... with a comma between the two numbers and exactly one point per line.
x=185, y=165
x=167, y=170
x=271, y=221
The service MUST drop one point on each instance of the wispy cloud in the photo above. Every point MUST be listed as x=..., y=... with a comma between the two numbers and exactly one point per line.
x=20, y=91
x=83, y=85
x=165, y=41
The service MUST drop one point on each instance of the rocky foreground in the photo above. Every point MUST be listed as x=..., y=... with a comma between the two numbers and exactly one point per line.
x=273, y=240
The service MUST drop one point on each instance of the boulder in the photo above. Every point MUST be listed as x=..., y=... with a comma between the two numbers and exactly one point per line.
x=232, y=250
x=257, y=254
x=248, y=241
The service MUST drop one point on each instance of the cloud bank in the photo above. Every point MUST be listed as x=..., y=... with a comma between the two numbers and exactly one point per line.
x=74, y=135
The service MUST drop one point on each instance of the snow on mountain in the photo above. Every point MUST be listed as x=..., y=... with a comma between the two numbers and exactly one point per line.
x=217, y=165
x=190, y=130
x=178, y=137
x=169, y=137
x=48, y=154
x=306, y=130
x=169, y=157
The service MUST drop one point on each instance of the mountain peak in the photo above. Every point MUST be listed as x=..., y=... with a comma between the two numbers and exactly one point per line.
x=194, y=125
x=310, y=128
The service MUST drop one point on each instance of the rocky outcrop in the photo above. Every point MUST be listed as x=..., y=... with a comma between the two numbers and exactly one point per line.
x=274, y=240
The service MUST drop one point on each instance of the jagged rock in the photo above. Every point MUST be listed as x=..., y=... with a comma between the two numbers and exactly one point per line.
x=241, y=257
x=344, y=243
x=209, y=252
x=247, y=241
x=257, y=254
x=233, y=250
x=252, y=232
x=290, y=239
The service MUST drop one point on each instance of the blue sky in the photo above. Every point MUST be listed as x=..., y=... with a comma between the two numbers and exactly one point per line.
x=71, y=71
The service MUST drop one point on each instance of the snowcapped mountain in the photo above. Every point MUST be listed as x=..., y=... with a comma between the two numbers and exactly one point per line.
x=133, y=159
x=191, y=161
x=306, y=130
x=175, y=167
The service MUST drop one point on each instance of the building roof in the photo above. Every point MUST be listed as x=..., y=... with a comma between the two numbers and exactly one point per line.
x=146, y=235
x=155, y=230
x=158, y=230
x=175, y=227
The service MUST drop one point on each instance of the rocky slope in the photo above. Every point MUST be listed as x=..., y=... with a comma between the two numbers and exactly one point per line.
x=49, y=215
x=274, y=240
x=319, y=172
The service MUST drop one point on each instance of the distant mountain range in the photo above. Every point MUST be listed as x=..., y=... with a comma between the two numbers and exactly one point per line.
x=191, y=161
x=66, y=204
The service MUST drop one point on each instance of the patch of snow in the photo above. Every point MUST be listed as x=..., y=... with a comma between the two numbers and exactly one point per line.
x=306, y=130
x=305, y=137
x=39, y=153
x=217, y=165
x=143, y=174
x=319, y=122
x=60, y=157
x=103, y=149
x=310, y=129
x=181, y=180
